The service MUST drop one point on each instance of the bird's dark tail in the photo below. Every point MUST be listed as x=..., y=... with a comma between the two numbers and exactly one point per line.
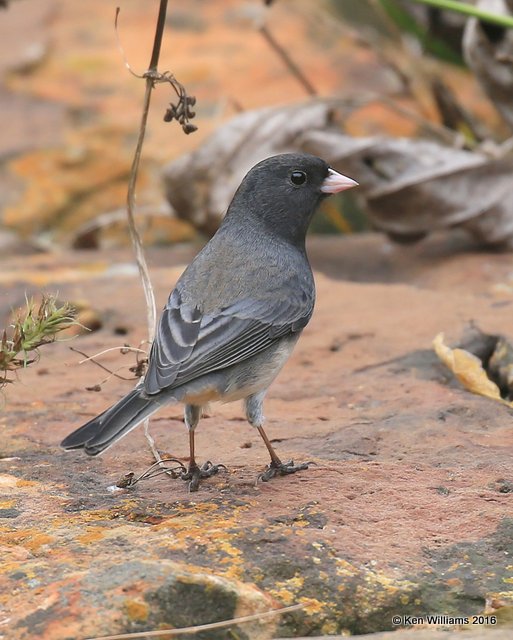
x=111, y=425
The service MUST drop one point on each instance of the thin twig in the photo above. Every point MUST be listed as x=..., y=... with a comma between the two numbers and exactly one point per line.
x=134, y=233
x=290, y=64
x=142, y=265
x=151, y=442
x=124, y=349
x=203, y=627
x=152, y=76
x=129, y=480
x=99, y=364
x=134, y=171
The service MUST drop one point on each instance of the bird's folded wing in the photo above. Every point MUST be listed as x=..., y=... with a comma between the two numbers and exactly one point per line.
x=189, y=345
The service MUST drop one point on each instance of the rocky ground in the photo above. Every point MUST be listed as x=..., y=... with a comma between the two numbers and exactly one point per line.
x=407, y=511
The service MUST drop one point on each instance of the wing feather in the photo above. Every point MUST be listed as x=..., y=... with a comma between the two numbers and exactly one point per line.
x=189, y=345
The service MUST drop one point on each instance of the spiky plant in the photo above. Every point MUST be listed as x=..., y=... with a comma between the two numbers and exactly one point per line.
x=31, y=328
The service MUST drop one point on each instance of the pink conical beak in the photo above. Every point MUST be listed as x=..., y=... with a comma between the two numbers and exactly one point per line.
x=336, y=182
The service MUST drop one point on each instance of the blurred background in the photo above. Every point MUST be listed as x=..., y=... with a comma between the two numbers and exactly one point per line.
x=359, y=76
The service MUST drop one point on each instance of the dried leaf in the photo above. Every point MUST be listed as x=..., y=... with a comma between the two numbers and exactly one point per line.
x=468, y=369
x=488, y=51
x=412, y=187
x=408, y=188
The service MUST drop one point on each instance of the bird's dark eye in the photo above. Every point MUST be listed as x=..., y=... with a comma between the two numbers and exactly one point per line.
x=298, y=177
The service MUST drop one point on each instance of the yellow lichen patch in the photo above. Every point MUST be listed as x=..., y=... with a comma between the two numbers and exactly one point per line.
x=218, y=537
x=86, y=172
x=284, y=596
x=30, y=539
x=500, y=605
x=374, y=590
x=119, y=511
x=136, y=610
x=233, y=557
x=92, y=534
x=296, y=582
x=26, y=483
x=234, y=572
x=312, y=606
x=229, y=549
x=286, y=590
x=345, y=568
x=7, y=504
x=329, y=628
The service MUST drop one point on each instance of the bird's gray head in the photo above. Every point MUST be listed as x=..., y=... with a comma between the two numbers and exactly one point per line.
x=282, y=193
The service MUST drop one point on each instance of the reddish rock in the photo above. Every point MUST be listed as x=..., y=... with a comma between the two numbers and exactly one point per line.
x=407, y=511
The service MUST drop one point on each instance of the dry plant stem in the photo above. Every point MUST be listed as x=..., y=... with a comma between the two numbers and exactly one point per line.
x=123, y=349
x=99, y=364
x=290, y=64
x=202, y=627
x=134, y=234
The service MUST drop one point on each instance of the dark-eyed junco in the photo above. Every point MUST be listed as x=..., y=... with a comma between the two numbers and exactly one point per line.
x=236, y=312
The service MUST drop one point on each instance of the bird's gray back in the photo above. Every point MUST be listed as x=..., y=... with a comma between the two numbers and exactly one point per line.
x=247, y=265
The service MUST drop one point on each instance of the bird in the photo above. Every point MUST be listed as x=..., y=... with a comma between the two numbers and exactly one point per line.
x=235, y=314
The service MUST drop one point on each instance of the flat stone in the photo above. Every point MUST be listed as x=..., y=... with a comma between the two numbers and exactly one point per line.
x=404, y=513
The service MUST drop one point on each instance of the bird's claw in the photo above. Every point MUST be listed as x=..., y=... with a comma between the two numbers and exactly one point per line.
x=282, y=469
x=195, y=473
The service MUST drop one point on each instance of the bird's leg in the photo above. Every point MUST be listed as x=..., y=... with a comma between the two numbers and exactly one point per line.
x=254, y=414
x=195, y=473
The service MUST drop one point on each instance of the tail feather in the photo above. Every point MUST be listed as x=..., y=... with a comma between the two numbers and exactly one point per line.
x=111, y=425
